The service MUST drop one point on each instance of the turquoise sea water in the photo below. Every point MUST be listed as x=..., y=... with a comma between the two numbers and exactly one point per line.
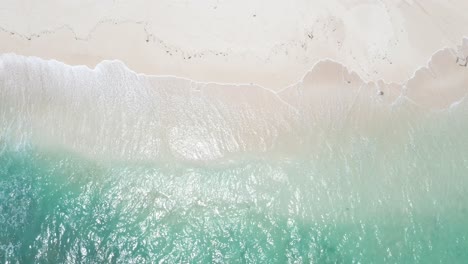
x=106, y=166
x=362, y=206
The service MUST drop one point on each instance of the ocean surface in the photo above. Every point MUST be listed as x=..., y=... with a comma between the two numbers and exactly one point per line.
x=107, y=166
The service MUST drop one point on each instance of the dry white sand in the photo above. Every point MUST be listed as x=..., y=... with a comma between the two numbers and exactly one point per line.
x=270, y=43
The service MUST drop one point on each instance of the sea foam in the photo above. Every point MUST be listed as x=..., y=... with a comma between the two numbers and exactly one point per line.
x=110, y=111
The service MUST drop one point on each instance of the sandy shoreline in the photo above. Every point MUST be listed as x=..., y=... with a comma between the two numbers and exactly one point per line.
x=270, y=44
x=74, y=103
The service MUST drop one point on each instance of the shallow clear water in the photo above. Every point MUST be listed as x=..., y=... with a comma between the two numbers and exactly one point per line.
x=361, y=206
x=226, y=182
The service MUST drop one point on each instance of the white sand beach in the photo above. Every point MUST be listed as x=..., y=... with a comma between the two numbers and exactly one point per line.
x=269, y=43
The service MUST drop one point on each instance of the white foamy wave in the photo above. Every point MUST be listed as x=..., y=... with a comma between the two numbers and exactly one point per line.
x=111, y=111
